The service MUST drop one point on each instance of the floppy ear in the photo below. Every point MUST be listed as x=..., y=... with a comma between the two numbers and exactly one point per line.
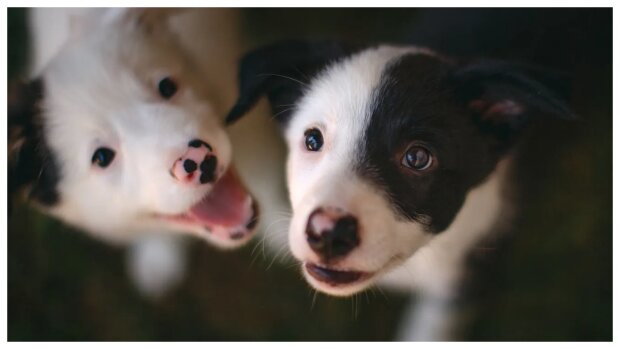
x=503, y=97
x=29, y=161
x=282, y=71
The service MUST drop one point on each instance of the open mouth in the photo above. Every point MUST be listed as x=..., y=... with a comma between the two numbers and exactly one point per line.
x=335, y=277
x=228, y=211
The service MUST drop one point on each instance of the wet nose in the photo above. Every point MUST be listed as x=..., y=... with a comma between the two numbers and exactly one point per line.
x=331, y=232
x=197, y=165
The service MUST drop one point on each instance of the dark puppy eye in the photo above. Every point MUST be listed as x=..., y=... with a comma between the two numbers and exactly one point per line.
x=167, y=87
x=103, y=157
x=417, y=158
x=313, y=139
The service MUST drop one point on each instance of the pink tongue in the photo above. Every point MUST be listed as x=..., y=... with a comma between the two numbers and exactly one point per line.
x=226, y=205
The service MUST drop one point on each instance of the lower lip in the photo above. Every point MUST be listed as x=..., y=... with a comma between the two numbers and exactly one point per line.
x=334, y=277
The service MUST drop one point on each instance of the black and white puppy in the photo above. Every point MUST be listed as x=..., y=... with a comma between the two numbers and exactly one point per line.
x=398, y=158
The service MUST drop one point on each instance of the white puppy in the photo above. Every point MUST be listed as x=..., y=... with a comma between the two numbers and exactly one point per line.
x=119, y=131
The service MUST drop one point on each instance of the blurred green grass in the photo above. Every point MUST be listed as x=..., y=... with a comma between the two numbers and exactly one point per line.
x=551, y=282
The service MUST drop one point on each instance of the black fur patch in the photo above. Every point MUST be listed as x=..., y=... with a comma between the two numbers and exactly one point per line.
x=423, y=100
x=468, y=116
x=282, y=72
x=32, y=165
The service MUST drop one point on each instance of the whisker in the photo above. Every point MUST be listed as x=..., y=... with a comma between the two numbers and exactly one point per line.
x=314, y=299
x=274, y=222
x=286, y=77
x=382, y=293
x=258, y=244
x=287, y=213
x=275, y=257
x=302, y=74
x=294, y=264
x=274, y=116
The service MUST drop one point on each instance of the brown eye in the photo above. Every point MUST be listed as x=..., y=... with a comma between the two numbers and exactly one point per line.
x=103, y=157
x=313, y=139
x=167, y=87
x=417, y=158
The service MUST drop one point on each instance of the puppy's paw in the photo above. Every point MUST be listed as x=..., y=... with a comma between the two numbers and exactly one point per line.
x=156, y=264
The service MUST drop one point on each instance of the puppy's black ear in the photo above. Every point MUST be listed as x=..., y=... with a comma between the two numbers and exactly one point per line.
x=282, y=71
x=29, y=162
x=504, y=97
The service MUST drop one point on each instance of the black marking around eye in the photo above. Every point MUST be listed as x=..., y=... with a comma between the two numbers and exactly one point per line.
x=413, y=102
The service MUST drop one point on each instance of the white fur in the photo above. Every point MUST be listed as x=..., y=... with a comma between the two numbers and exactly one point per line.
x=156, y=264
x=100, y=68
x=120, y=109
x=260, y=157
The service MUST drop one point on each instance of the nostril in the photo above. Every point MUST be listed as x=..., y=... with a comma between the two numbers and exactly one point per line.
x=315, y=240
x=208, y=164
x=189, y=166
x=331, y=235
x=345, y=236
x=207, y=167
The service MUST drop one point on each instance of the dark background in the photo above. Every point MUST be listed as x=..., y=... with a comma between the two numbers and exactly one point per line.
x=550, y=280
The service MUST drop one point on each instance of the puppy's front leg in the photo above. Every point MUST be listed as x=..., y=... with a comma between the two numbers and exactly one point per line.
x=156, y=263
x=429, y=318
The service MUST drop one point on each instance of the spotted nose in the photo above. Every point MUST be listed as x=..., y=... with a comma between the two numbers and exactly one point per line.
x=197, y=165
x=332, y=233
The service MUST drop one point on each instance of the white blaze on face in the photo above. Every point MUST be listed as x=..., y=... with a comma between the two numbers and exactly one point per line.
x=339, y=104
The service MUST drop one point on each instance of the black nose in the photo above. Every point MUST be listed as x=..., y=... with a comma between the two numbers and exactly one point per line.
x=207, y=166
x=331, y=233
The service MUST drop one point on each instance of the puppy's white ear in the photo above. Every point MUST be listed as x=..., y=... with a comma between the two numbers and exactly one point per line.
x=281, y=71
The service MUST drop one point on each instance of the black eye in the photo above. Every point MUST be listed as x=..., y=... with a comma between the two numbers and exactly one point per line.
x=417, y=158
x=314, y=139
x=103, y=157
x=167, y=87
